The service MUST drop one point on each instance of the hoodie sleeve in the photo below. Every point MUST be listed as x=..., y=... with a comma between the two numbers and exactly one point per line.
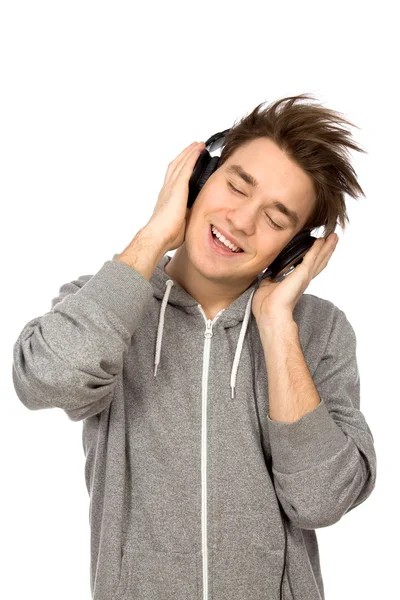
x=324, y=464
x=70, y=357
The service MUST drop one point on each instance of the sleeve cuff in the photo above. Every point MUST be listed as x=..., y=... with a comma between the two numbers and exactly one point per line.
x=305, y=443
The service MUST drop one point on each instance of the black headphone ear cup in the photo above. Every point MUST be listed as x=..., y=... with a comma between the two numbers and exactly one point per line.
x=298, y=240
x=293, y=251
x=203, y=169
x=208, y=171
x=205, y=165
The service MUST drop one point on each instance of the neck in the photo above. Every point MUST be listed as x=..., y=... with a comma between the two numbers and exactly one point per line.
x=212, y=295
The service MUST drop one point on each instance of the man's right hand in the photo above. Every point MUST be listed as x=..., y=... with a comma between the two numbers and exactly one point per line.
x=168, y=221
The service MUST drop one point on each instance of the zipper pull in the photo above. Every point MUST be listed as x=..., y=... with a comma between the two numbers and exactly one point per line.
x=208, y=332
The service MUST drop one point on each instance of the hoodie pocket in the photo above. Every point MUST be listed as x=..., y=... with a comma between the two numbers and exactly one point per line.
x=149, y=574
x=245, y=573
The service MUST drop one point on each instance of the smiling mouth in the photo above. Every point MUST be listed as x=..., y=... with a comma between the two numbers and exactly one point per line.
x=221, y=245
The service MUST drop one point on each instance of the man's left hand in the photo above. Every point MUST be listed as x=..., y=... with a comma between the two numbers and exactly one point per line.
x=279, y=298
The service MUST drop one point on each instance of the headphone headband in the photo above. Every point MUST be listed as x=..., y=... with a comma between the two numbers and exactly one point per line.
x=216, y=141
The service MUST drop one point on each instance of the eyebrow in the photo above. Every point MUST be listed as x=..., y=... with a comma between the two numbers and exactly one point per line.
x=247, y=178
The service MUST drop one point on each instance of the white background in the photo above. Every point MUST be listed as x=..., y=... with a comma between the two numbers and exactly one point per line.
x=96, y=99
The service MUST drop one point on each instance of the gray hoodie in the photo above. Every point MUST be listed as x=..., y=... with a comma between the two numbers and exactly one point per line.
x=195, y=493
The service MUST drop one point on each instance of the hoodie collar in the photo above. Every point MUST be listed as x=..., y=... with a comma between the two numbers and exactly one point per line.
x=170, y=292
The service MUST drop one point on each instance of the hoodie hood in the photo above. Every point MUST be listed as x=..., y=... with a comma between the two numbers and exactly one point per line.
x=171, y=293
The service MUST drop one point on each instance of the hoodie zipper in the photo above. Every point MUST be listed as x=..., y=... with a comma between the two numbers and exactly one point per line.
x=206, y=361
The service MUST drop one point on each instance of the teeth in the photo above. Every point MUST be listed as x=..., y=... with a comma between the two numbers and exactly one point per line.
x=223, y=239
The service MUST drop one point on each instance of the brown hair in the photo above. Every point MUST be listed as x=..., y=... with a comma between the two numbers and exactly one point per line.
x=309, y=134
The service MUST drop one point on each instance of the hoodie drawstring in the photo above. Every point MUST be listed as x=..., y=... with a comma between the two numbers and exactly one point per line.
x=169, y=285
x=239, y=346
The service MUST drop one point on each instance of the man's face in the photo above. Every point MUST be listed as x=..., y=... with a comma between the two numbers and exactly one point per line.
x=248, y=216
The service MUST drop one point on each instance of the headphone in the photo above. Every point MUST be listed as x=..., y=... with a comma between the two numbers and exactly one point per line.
x=292, y=254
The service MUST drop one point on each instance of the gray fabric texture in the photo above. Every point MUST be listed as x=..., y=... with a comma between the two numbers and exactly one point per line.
x=195, y=494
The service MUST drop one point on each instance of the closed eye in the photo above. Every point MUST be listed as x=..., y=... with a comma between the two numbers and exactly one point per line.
x=275, y=225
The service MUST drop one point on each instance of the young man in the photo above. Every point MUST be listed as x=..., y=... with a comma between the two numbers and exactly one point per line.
x=209, y=470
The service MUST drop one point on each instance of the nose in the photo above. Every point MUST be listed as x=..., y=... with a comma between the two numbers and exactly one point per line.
x=243, y=218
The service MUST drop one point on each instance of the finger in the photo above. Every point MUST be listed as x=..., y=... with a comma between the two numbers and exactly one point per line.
x=177, y=162
x=321, y=247
x=329, y=246
x=174, y=162
x=320, y=268
x=186, y=166
x=321, y=265
x=312, y=253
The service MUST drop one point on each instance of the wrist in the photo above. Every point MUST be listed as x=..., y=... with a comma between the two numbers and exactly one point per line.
x=143, y=253
x=276, y=323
